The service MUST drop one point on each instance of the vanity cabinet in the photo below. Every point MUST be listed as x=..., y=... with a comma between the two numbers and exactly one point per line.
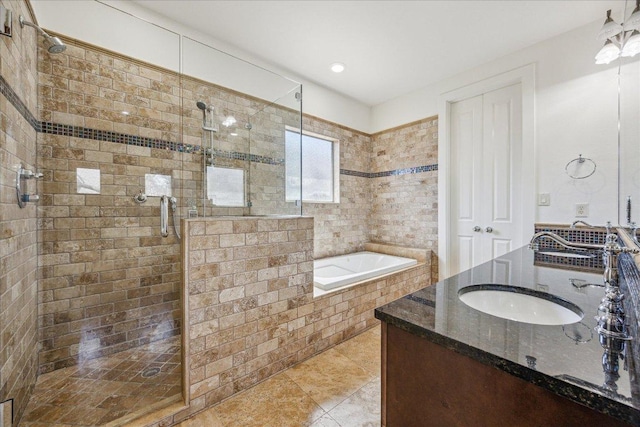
x=445, y=363
x=425, y=384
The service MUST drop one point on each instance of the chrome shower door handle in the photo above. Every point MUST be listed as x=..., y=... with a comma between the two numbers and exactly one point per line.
x=164, y=215
x=489, y=230
x=477, y=229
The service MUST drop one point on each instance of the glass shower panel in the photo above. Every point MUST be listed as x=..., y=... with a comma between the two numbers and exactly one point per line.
x=235, y=116
x=271, y=153
x=109, y=290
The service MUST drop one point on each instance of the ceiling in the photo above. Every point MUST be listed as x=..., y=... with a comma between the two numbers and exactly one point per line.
x=390, y=48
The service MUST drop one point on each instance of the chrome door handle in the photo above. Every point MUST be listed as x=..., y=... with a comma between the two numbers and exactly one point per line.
x=489, y=230
x=477, y=229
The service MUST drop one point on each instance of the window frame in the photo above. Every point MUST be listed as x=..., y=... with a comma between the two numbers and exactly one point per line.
x=335, y=166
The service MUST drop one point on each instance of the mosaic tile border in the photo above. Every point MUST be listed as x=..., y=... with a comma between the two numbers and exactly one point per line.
x=395, y=172
x=59, y=129
x=17, y=103
x=120, y=138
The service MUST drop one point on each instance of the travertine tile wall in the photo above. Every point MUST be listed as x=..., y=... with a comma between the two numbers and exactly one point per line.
x=258, y=151
x=250, y=305
x=18, y=239
x=388, y=187
x=108, y=280
x=342, y=228
x=405, y=204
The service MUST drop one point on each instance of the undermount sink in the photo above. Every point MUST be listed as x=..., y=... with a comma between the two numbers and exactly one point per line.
x=520, y=304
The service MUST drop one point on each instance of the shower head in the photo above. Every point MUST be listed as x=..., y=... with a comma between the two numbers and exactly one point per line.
x=204, y=107
x=53, y=44
x=206, y=124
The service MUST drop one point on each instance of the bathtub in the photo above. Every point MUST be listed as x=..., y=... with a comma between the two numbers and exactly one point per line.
x=334, y=272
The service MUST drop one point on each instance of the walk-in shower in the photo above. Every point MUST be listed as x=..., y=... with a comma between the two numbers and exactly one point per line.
x=110, y=309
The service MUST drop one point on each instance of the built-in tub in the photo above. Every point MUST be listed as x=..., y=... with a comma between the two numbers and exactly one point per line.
x=340, y=271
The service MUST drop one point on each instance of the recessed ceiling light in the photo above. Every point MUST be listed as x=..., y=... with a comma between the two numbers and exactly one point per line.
x=125, y=113
x=337, y=67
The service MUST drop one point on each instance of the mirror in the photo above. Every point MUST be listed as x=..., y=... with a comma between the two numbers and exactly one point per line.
x=629, y=151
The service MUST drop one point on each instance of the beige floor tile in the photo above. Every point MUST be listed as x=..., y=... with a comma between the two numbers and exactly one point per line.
x=325, y=421
x=277, y=402
x=208, y=418
x=95, y=393
x=361, y=409
x=329, y=378
x=364, y=349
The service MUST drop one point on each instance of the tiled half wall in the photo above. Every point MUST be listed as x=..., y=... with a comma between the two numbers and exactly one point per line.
x=249, y=303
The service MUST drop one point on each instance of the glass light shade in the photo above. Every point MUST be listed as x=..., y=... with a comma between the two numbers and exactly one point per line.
x=633, y=22
x=610, y=28
x=608, y=53
x=632, y=45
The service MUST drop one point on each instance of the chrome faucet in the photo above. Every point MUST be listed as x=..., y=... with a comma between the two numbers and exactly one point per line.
x=581, y=222
x=611, y=318
x=533, y=244
x=634, y=230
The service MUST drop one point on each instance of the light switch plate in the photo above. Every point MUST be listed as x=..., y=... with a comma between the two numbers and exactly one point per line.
x=544, y=199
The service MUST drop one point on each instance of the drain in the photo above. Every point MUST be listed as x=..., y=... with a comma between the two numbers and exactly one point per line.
x=150, y=372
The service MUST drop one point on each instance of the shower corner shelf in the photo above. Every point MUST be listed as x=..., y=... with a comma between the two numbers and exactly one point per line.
x=22, y=175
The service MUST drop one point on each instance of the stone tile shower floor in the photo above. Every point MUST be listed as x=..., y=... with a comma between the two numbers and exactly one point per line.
x=105, y=389
x=337, y=388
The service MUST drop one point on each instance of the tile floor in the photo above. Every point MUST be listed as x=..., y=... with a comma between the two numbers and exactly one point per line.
x=105, y=389
x=337, y=388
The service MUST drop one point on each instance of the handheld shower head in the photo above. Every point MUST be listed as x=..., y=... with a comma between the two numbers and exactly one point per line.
x=206, y=124
x=53, y=44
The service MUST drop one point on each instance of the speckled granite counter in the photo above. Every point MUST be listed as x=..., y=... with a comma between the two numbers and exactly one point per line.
x=566, y=360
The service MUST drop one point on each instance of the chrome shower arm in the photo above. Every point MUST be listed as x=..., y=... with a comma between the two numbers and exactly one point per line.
x=24, y=22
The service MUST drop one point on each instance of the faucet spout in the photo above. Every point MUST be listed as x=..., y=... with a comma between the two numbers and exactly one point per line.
x=586, y=224
x=535, y=245
x=611, y=323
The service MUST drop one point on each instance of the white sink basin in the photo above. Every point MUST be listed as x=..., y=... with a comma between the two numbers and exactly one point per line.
x=520, y=304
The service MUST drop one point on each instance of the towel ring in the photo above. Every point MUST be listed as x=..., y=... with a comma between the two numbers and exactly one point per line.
x=580, y=168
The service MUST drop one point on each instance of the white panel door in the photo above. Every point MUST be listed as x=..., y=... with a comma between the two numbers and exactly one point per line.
x=502, y=180
x=466, y=131
x=486, y=179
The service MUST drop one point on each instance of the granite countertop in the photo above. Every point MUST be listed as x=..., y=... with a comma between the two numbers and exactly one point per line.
x=565, y=359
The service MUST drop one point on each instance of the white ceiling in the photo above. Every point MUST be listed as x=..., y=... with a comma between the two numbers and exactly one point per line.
x=390, y=48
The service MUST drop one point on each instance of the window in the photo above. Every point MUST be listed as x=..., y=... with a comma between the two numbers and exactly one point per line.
x=320, y=168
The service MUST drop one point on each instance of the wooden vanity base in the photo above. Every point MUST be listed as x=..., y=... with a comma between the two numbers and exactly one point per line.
x=425, y=384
